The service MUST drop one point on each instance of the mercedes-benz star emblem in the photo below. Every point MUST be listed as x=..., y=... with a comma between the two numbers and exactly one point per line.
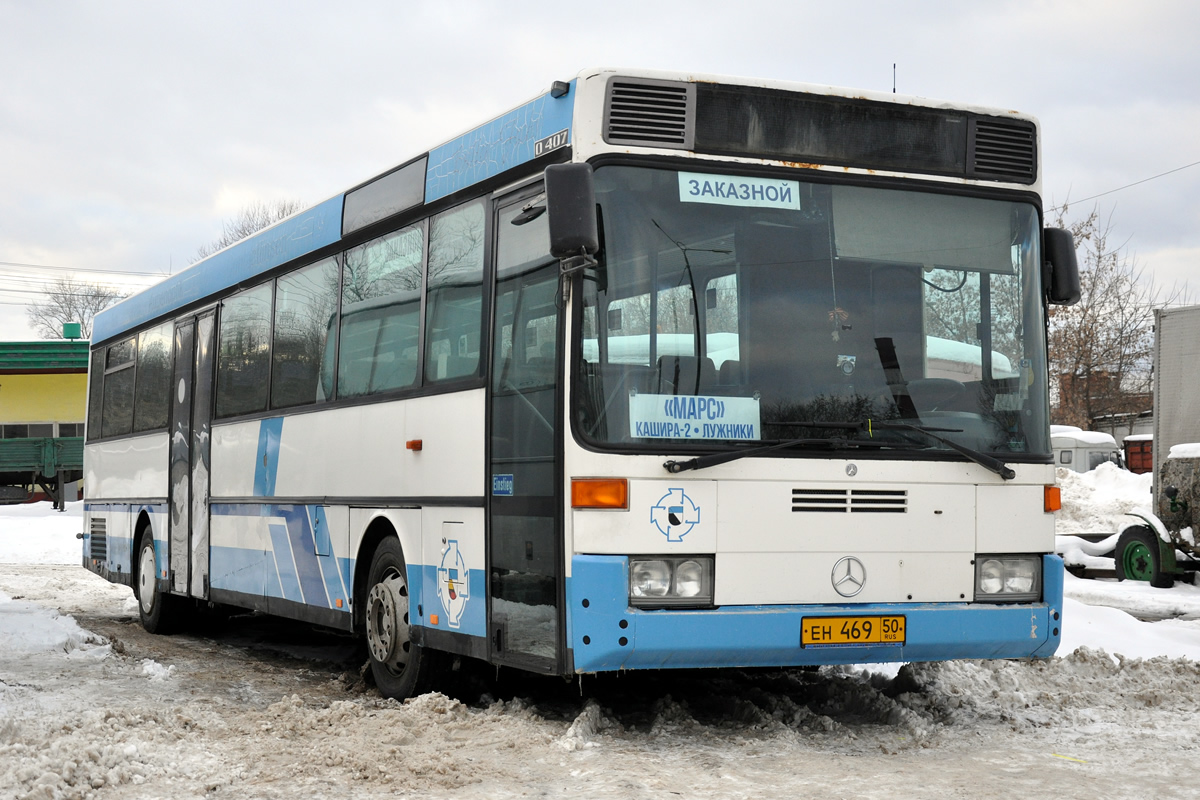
x=849, y=576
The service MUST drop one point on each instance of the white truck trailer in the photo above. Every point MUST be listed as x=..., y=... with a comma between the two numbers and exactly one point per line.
x=1160, y=544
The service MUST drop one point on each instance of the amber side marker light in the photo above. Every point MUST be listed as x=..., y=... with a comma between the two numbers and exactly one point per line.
x=1052, y=499
x=599, y=493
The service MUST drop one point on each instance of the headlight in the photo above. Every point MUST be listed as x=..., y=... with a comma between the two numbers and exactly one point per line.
x=1008, y=579
x=689, y=579
x=671, y=581
x=649, y=578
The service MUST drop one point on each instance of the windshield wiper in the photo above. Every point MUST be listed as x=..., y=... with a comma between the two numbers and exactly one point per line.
x=712, y=459
x=982, y=459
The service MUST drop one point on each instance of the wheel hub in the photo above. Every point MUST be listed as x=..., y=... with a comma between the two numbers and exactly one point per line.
x=1137, y=562
x=387, y=622
x=146, y=576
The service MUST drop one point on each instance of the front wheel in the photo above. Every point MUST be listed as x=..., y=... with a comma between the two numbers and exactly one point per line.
x=401, y=667
x=1138, y=559
x=160, y=612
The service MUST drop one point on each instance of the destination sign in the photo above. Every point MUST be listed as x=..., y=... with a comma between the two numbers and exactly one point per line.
x=733, y=190
x=668, y=416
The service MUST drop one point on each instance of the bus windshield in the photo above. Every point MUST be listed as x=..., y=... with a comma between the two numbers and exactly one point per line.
x=731, y=310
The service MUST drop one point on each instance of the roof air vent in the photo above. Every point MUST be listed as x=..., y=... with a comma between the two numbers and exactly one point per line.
x=1003, y=150
x=650, y=113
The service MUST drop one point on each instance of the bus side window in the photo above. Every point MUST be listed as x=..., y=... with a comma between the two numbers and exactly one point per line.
x=95, y=394
x=304, y=303
x=152, y=401
x=119, y=370
x=381, y=314
x=454, y=293
x=242, y=352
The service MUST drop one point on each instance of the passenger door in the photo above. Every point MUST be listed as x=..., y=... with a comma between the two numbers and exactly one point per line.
x=191, y=417
x=525, y=569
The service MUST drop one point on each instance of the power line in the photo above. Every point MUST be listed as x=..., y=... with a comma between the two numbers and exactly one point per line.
x=1126, y=186
x=67, y=294
x=20, y=265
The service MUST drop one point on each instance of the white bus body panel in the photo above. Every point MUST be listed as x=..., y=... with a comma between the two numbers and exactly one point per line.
x=130, y=468
x=359, y=451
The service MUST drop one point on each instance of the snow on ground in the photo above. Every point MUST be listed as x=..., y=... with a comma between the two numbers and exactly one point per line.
x=92, y=707
x=37, y=534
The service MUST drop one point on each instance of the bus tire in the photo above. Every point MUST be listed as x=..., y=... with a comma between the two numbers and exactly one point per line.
x=1138, y=559
x=401, y=667
x=160, y=612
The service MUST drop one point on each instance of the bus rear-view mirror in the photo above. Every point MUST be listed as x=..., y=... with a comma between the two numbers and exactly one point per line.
x=1062, y=279
x=571, y=204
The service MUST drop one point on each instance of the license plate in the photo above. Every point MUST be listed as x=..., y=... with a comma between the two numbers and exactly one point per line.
x=831, y=631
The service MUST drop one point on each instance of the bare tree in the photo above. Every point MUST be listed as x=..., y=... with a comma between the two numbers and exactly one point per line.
x=69, y=300
x=250, y=220
x=1101, y=348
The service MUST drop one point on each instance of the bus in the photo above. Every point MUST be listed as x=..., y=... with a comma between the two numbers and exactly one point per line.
x=655, y=370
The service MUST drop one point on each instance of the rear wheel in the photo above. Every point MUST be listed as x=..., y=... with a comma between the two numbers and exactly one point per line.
x=401, y=668
x=1138, y=559
x=160, y=612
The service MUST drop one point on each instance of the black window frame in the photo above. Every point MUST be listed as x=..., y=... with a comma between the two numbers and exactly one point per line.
x=138, y=377
x=116, y=370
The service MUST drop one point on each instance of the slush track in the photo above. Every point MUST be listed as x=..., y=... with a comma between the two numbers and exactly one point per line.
x=258, y=708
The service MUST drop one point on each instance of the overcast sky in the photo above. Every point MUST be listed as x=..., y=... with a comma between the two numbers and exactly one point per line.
x=130, y=130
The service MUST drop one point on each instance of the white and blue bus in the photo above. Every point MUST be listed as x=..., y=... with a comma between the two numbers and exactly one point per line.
x=653, y=371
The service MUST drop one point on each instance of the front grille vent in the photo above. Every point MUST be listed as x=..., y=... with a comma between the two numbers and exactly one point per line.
x=1004, y=150
x=650, y=113
x=99, y=539
x=850, y=501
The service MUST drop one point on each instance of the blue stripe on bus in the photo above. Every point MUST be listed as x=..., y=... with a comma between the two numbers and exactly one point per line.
x=289, y=581
x=266, y=460
x=496, y=146
x=304, y=233
x=291, y=570
x=769, y=636
x=308, y=563
x=331, y=570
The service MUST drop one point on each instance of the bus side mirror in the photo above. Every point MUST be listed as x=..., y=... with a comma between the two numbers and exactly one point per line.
x=1062, y=268
x=571, y=209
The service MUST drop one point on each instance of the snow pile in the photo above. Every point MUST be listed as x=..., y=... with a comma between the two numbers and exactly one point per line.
x=30, y=628
x=156, y=671
x=1098, y=500
x=586, y=727
x=1086, y=696
x=76, y=754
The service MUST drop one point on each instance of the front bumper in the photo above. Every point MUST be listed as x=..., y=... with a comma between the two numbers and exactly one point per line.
x=607, y=634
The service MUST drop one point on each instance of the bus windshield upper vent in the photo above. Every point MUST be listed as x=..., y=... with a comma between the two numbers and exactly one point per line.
x=1003, y=150
x=850, y=501
x=650, y=113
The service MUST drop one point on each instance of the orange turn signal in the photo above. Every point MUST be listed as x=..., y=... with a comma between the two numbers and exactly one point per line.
x=414, y=444
x=599, y=493
x=1052, y=499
